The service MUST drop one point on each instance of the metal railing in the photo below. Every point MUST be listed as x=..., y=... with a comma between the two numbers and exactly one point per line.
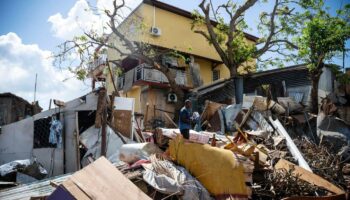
x=101, y=60
x=146, y=73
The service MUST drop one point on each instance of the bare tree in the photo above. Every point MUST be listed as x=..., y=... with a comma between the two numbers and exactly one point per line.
x=227, y=35
x=89, y=46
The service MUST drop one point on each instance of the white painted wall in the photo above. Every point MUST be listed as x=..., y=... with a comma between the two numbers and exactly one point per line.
x=16, y=139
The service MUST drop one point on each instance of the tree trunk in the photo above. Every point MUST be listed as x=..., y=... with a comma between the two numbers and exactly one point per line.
x=315, y=77
x=238, y=84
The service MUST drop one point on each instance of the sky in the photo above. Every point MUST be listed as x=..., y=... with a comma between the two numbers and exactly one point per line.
x=30, y=31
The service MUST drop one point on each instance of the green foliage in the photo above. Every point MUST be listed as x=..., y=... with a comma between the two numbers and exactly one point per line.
x=341, y=77
x=81, y=74
x=198, y=19
x=241, y=50
x=323, y=36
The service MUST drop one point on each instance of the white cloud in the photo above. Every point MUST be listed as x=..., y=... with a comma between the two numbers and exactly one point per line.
x=81, y=18
x=20, y=62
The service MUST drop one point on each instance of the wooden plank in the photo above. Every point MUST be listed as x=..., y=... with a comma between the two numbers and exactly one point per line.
x=308, y=176
x=123, y=122
x=101, y=180
x=74, y=190
x=245, y=117
x=169, y=118
x=332, y=197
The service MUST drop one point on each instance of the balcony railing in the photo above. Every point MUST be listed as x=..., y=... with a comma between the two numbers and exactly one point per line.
x=146, y=73
x=101, y=60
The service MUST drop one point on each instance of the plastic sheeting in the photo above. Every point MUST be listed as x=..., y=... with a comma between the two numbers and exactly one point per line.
x=131, y=153
x=230, y=113
x=181, y=181
x=91, y=139
x=258, y=122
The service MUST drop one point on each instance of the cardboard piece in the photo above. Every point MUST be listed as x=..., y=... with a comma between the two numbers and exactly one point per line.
x=123, y=116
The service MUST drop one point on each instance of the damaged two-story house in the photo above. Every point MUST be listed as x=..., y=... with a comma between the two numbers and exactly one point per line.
x=168, y=27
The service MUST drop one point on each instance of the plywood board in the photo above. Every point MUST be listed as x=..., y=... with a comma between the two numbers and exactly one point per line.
x=123, y=122
x=101, y=180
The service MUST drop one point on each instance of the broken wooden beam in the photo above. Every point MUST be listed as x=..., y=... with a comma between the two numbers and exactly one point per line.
x=169, y=118
x=308, y=176
x=101, y=105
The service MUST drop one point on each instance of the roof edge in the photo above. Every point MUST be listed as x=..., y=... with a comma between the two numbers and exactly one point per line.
x=278, y=70
x=186, y=14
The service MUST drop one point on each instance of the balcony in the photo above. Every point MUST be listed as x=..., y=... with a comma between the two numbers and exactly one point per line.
x=145, y=73
x=100, y=61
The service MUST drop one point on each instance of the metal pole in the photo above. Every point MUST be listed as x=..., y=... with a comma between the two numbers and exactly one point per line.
x=344, y=59
x=36, y=79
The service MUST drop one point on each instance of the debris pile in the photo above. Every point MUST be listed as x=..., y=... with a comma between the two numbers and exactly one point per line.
x=260, y=149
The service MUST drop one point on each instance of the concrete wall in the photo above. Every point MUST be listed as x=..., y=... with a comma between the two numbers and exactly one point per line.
x=16, y=139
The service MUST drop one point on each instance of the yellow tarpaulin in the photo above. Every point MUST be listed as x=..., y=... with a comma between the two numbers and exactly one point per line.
x=217, y=169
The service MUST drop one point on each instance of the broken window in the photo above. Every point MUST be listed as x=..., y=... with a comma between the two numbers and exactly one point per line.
x=85, y=120
x=42, y=133
x=216, y=75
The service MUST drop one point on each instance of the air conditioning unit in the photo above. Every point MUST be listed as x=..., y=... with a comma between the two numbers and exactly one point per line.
x=172, y=98
x=155, y=31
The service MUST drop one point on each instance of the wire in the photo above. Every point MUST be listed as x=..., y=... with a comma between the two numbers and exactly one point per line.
x=154, y=16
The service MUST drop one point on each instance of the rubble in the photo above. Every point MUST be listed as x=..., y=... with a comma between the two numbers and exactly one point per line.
x=168, y=178
x=22, y=171
x=130, y=153
x=260, y=149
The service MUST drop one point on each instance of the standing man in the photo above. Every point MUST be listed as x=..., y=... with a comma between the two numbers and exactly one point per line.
x=185, y=119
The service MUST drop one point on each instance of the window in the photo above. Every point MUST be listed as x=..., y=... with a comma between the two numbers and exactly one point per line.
x=42, y=132
x=216, y=75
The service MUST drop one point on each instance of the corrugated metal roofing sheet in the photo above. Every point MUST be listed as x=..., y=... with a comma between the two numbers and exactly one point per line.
x=37, y=188
x=294, y=77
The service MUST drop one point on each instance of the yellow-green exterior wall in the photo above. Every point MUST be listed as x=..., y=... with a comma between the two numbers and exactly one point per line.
x=176, y=34
x=135, y=93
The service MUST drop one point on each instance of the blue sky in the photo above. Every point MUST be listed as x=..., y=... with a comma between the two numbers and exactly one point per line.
x=28, y=19
x=30, y=30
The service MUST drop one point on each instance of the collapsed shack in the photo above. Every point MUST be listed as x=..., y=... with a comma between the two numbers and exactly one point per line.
x=260, y=149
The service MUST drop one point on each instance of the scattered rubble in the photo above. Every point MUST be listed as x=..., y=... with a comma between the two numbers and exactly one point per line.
x=260, y=149
x=22, y=171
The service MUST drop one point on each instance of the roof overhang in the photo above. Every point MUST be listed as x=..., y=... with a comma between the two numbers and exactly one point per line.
x=186, y=14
